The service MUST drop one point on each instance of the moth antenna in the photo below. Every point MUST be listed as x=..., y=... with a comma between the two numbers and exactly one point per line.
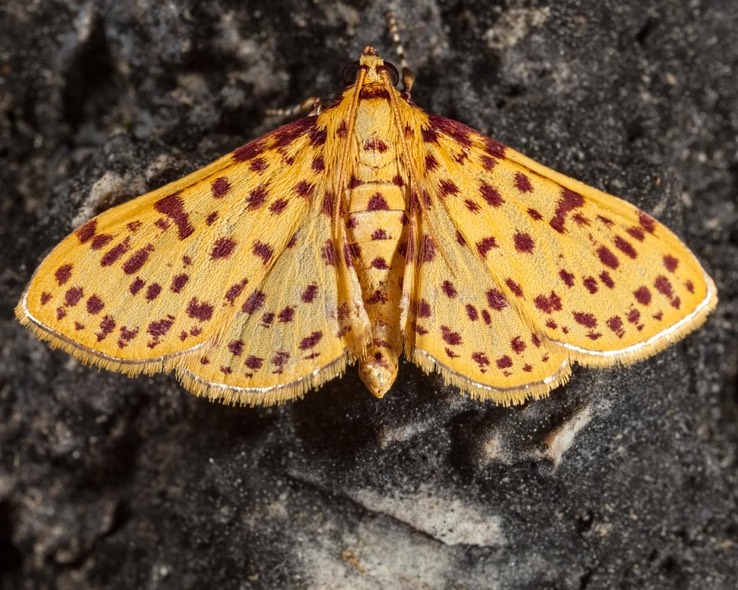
x=408, y=78
x=310, y=106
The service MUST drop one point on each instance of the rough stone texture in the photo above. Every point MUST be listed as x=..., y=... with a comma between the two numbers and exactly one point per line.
x=625, y=478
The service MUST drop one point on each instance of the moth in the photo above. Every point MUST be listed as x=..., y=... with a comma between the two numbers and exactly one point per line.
x=360, y=231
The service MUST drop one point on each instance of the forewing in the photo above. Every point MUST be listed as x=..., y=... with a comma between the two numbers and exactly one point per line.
x=160, y=275
x=589, y=271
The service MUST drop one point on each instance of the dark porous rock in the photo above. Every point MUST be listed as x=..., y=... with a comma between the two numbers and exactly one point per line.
x=623, y=478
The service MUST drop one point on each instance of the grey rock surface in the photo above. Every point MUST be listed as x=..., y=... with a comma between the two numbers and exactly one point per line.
x=624, y=478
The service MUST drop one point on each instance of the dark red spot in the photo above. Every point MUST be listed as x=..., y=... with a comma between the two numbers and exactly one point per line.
x=368, y=92
x=625, y=247
x=429, y=135
x=523, y=242
x=663, y=286
x=126, y=335
x=235, y=290
x=487, y=162
x=535, y=214
x=374, y=144
x=100, y=241
x=504, y=362
x=473, y=206
x=452, y=338
x=616, y=325
x=310, y=341
x=430, y=163
x=494, y=148
x=286, y=315
x=548, y=304
x=63, y=274
x=248, y=151
x=634, y=316
x=637, y=233
x=496, y=299
x=448, y=288
x=522, y=183
x=254, y=302
x=137, y=259
x=258, y=165
x=398, y=181
x=220, y=187
x=460, y=133
x=277, y=206
x=569, y=201
x=450, y=353
x=236, y=347
x=152, y=292
x=535, y=340
x=491, y=195
x=73, y=296
x=279, y=360
x=87, y=231
x=111, y=256
x=354, y=182
x=107, y=325
x=61, y=313
x=210, y=219
x=585, y=319
x=328, y=252
x=658, y=316
x=485, y=245
x=590, y=283
x=178, y=282
x=342, y=129
x=567, y=277
x=256, y=198
x=173, y=207
x=580, y=219
x=379, y=263
x=642, y=295
x=472, y=312
x=517, y=345
x=427, y=249
x=286, y=134
x=304, y=189
x=423, y=309
x=267, y=319
x=486, y=317
x=377, y=202
x=460, y=239
x=263, y=251
x=309, y=294
x=514, y=287
x=94, y=304
x=607, y=257
x=199, y=310
x=254, y=362
x=670, y=263
x=447, y=187
x=222, y=248
x=690, y=286
x=161, y=327
x=136, y=285
x=226, y=370
x=318, y=136
x=318, y=164
x=481, y=359
x=133, y=226
x=379, y=234
x=607, y=280
x=45, y=298
x=647, y=223
x=553, y=325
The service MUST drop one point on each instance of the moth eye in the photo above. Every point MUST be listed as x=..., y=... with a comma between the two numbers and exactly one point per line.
x=348, y=75
x=393, y=73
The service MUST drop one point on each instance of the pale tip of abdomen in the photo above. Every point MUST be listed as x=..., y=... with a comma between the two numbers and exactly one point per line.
x=378, y=370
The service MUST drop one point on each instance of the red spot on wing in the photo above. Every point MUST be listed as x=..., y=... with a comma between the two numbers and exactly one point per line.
x=311, y=341
x=523, y=242
x=567, y=277
x=522, y=183
x=514, y=287
x=72, y=296
x=430, y=163
x=173, y=207
x=496, y=299
x=236, y=347
x=548, y=303
x=235, y=290
x=607, y=257
x=199, y=310
x=318, y=164
x=258, y=165
x=625, y=247
x=304, y=189
x=568, y=202
x=642, y=295
x=277, y=206
x=504, y=362
x=427, y=249
x=590, y=283
x=485, y=245
x=256, y=198
x=178, y=282
x=94, y=304
x=607, y=280
x=447, y=187
x=137, y=259
x=254, y=302
x=222, y=248
x=309, y=294
x=107, y=325
x=220, y=187
x=328, y=253
x=87, y=231
x=63, y=274
x=115, y=253
x=616, y=326
x=448, y=289
x=254, y=362
x=670, y=263
x=491, y=195
x=263, y=251
x=472, y=312
x=286, y=315
x=450, y=337
x=585, y=319
x=517, y=345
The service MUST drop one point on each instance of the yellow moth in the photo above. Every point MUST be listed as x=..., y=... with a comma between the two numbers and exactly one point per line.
x=360, y=230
